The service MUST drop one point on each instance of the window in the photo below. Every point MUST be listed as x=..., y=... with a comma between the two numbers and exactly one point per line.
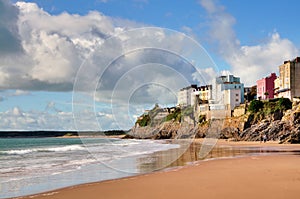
x=236, y=100
x=237, y=94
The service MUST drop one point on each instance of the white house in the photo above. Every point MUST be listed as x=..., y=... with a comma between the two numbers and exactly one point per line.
x=227, y=93
x=185, y=96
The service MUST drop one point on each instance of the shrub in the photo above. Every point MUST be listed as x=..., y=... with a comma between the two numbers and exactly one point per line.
x=255, y=106
x=284, y=104
x=187, y=111
x=176, y=115
x=202, y=118
x=145, y=121
x=269, y=107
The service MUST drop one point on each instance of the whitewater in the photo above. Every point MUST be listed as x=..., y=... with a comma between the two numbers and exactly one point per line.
x=35, y=165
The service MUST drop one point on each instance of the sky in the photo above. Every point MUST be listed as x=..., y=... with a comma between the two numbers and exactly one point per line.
x=98, y=64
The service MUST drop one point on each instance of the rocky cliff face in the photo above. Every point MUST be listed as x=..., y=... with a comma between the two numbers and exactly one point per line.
x=285, y=129
x=278, y=126
x=166, y=130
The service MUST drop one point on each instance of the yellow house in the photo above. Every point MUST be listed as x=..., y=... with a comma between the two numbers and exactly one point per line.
x=289, y=79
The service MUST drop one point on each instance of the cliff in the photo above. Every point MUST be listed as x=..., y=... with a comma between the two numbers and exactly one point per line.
x=278, y=122
x=283, y=127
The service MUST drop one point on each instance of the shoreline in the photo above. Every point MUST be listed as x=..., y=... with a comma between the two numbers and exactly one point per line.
x=82, y=188
x=151, y=185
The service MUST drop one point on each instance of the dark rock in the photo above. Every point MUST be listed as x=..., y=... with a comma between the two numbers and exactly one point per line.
x=277, y=115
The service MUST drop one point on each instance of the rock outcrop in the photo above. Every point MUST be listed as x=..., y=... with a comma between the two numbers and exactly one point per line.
x=280, y=126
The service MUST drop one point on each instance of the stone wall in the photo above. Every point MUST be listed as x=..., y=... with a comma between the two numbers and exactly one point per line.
x=239, y=110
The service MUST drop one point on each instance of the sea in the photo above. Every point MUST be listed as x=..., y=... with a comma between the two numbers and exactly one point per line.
x=34, y=165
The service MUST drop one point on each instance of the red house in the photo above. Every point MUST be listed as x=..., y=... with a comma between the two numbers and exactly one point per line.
x=265, y=87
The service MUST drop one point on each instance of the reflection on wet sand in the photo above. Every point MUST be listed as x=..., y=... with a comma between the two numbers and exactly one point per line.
x=189, y=153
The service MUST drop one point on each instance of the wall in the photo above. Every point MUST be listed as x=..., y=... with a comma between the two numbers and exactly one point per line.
x=289, y=79
x=266, y=85
x=284, y=78
x=261, y=87
x=239, y=111
x=185, y=97
x=297, y=79
x=270, y=85
x=232, y=98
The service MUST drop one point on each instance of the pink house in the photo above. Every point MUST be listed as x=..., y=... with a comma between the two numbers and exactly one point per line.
x=265, y=87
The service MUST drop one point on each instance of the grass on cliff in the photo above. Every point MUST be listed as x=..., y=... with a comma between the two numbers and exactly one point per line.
x=262, y=109
x=179, y=113
x=176, y=115
x=145, y=120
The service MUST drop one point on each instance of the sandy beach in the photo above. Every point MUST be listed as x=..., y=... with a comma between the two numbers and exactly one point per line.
x=272, y=176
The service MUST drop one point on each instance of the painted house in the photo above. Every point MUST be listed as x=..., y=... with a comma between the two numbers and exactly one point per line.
x=289, y=79
x=265, y=87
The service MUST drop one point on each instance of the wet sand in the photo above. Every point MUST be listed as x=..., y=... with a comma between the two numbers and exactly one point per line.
x=273, y=176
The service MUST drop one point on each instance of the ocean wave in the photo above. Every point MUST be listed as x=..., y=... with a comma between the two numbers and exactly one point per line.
x=50, y=149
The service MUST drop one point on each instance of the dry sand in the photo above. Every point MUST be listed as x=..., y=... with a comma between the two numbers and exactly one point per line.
x=275, y=176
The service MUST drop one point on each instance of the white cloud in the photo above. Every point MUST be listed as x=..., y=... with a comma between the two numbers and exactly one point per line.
x=20, y=92
x=53, y=48
x=9, y=40
x=248, y=62
x=16, y=119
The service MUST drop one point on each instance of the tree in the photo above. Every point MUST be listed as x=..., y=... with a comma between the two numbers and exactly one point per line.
x=251, y=96
x=266, y=94
x=255, y=106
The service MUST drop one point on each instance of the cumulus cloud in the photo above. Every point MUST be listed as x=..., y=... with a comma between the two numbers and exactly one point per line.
x=20, y=92
x=55, y=46
x=17, y=119
x=248, y=62
x=9, y=38
x=55, y=52
x=51, y=47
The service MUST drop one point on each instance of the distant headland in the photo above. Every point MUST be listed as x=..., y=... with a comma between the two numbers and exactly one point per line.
x=49, y=133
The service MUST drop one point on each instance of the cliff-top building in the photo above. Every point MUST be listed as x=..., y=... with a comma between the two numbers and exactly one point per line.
x=265, y=87
x=276, y=87
x=185, y=96
x=289, y=79
x=202, y=94
x=228, y=92
x=192, y=95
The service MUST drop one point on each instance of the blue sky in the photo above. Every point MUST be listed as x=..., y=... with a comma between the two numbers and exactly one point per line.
x=254, y=19
x=44, y=44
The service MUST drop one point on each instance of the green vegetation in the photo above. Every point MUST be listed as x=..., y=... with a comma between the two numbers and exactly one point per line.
x=261, y=109
x=176, y=115
x=251, y=95
x=269, y=107
x=255, y=106
x=267, y=95
x=187, y=111
x=258, y=109
x=284, y=104
x=202, y=118
x=144, y=121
